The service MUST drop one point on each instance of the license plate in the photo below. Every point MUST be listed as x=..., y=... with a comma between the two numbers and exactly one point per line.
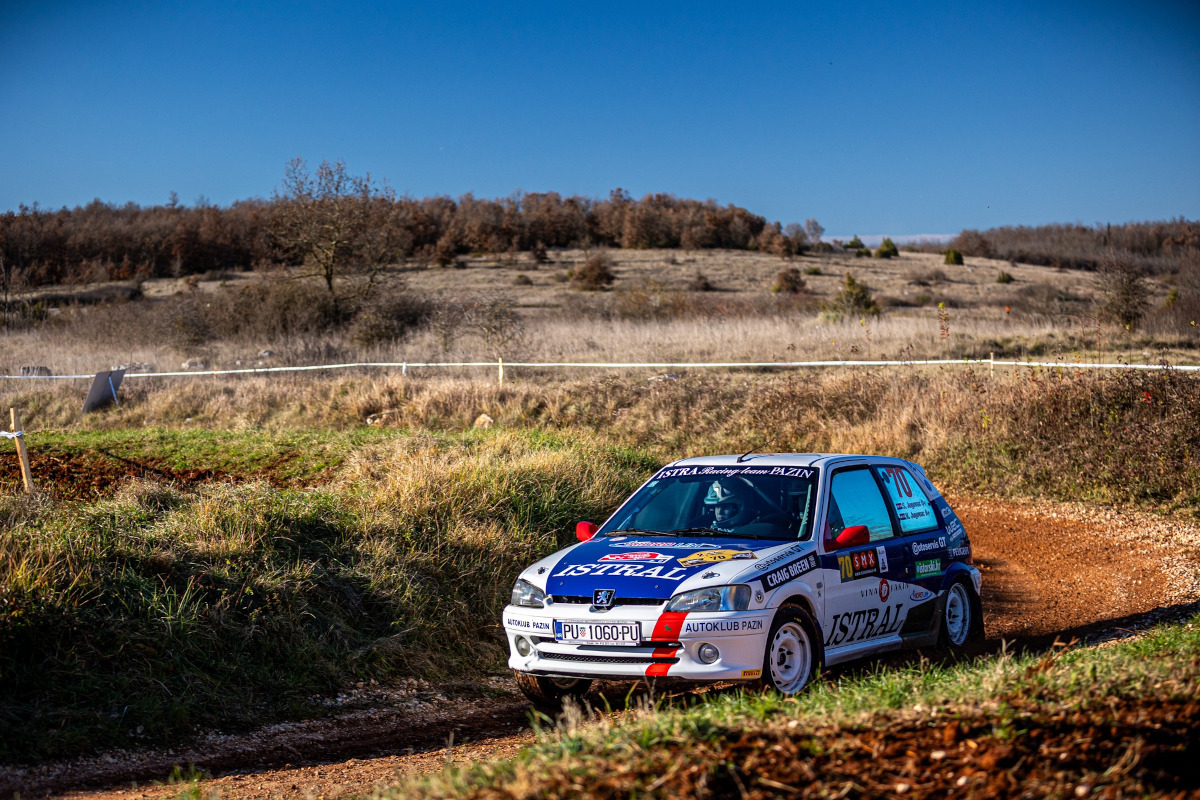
x=623, y=634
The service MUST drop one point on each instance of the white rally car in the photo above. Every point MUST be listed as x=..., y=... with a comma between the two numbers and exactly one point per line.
x=748, y=568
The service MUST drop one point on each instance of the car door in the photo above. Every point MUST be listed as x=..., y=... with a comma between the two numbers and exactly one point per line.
x=859, y=605
x=921, y=542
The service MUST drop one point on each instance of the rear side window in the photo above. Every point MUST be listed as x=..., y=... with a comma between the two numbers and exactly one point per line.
x=913, y=509
x=854, y=499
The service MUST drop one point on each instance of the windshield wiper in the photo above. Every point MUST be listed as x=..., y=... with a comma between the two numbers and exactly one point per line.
x=642, y=532
x=715, y=532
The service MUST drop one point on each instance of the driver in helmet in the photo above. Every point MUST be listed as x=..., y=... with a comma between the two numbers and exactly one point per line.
x=730, y=502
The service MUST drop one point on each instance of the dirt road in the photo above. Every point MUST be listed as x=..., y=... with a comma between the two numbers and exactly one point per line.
x=1050, y=571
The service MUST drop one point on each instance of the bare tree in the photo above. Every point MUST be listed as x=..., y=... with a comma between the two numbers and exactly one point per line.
x=12, y=282
x=795, y=233
x=338, y=225
x=813, y=230
x=1126, y=296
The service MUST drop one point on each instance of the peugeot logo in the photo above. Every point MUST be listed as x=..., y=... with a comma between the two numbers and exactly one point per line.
x=603, y=598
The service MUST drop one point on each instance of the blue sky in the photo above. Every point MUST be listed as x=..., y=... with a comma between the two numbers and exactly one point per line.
x=881, y=118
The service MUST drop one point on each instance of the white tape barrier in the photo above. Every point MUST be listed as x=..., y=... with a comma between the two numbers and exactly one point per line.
x=11, y=434
x=404, y=366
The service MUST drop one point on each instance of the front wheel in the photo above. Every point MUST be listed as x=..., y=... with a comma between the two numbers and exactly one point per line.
x=960, y=623
x=794, y=654
x=547, y=692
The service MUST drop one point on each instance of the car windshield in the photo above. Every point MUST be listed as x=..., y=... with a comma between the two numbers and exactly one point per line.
x=752, y=501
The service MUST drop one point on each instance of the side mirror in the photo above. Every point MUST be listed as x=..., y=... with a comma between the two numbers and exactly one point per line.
x=586, y=530
x=854, y=536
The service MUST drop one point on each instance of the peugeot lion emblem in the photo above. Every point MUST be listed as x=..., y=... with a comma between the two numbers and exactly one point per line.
x=603, y=598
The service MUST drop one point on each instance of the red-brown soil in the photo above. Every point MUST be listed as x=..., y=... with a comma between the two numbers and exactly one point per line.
x=1050, y=572
x=86, y=476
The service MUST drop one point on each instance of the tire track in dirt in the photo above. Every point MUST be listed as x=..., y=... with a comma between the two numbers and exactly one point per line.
x=1049, y=571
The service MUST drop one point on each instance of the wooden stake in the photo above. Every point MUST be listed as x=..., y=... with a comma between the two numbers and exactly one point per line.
x=500, y=370
x=22, y=453
x=992, y=359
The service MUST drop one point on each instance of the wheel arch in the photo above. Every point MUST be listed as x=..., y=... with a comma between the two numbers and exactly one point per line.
x=803, y=601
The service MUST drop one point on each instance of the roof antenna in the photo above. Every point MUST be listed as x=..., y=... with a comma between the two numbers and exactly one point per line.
x=742, y=457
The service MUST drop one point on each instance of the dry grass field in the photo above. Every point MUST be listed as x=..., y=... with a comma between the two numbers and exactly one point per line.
x=663, y=306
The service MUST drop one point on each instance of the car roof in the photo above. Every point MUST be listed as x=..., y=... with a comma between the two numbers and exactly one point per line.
x=788, y=459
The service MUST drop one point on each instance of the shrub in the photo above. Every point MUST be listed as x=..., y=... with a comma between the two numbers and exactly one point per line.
x=390, y=318
x=853, y=298
x=887, y=249
x=855, y=244
x=595, y=274
x=812, y=270
x=523, y=280
x=788, y=280
x=1004, y=277
x=954, y=258
x=701, y=283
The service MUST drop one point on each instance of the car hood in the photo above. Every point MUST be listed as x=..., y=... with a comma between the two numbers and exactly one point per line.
x=651, y=567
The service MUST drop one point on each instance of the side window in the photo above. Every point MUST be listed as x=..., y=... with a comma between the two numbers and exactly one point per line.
x=854, y=499
x=913, y=508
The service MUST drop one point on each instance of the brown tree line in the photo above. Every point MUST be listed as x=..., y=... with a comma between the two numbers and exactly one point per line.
x=1153, y=247
x=102, y=241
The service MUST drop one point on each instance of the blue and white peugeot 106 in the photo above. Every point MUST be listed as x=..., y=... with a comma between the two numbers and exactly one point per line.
x=748, y=568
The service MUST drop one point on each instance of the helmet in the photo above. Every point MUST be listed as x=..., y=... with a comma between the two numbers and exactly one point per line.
x=728, y=501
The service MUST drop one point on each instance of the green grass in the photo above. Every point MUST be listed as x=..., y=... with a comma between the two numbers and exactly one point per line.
x=998, y=698
x=139, y=617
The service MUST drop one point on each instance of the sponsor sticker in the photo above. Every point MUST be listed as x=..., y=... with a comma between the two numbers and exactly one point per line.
x=655, y=558
x=863, y=624
x=930, y=544
x=859, y=564
x=955, y=529
x=531, y=625
x=622, y=570
x=919, y=595
x=775, y=559
x=884, y=590
x=752, y=673
x=789, y=571
x=723, y=626
x=664, y=545
x=960, y=552
x=928, y=568
x=715, y=556
x=725, y=472
x=881, y=552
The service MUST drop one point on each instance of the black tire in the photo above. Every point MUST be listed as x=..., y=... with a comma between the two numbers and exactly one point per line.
x=547, y=692
x=961, y=622
x=795, y=654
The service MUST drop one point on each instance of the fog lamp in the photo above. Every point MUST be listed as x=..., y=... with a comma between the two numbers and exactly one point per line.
x=708, y=653
x=524, y=646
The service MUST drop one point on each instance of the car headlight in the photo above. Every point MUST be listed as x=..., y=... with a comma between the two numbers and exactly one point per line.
x=713, y=598
x=526, y=594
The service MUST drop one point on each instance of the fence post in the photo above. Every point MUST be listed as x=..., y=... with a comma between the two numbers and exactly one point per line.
x=22, y=453
x=500, y=370
x=992, y=362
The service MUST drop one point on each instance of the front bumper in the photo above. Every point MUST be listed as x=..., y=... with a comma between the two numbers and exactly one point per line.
x=669, y=648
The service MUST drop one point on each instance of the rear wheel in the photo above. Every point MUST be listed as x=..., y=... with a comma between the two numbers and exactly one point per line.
x=960, y=622
x=794, y=654
x=548, y=692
